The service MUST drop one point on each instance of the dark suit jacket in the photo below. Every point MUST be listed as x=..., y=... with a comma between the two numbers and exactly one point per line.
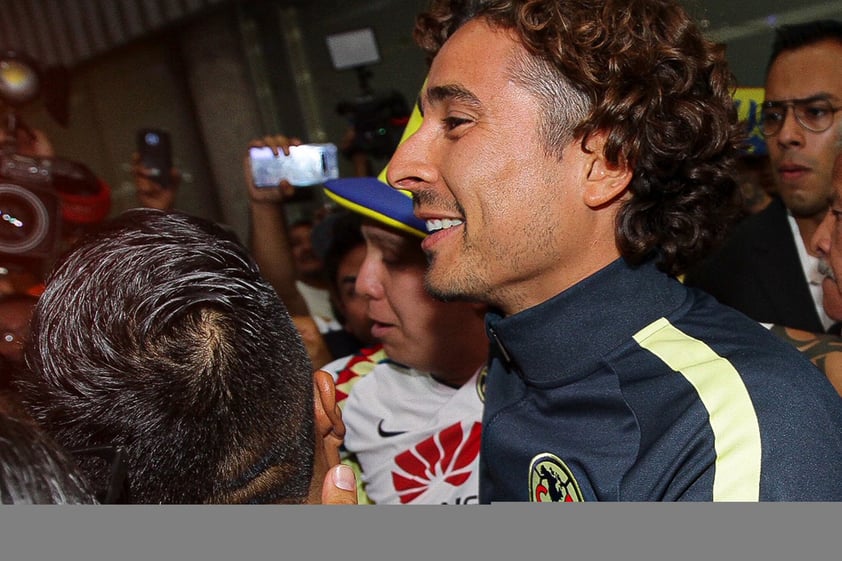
x=758, y=272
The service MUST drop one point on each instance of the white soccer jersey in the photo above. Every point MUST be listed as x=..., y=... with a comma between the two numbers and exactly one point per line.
x=416, y=440
x=349, y=370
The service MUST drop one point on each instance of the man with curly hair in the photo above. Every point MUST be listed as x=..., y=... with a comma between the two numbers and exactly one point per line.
x=574, y=158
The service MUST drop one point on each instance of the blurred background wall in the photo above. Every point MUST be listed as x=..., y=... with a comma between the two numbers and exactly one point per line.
x=217, y=73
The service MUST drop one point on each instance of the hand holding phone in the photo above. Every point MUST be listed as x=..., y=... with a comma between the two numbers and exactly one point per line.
x=306, y=165
x=155, y=151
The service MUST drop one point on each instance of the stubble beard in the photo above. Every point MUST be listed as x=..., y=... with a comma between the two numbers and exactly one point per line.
x=460, y=283
x=801, y=206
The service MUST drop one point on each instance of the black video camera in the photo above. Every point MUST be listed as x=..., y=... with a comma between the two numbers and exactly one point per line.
x=378, y=121
x=30, y=203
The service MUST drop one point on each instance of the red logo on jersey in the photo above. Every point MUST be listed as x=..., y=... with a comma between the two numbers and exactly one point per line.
x=446, y=457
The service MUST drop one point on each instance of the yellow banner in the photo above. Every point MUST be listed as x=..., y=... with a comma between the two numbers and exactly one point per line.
x=748, y=102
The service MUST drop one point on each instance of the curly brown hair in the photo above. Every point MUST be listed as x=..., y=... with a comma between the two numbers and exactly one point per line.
x=642, y=72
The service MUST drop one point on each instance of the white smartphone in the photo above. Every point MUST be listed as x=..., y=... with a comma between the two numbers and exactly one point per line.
x=306, y=165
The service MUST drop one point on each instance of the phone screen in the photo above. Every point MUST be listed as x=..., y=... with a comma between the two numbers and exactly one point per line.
x=306, y=165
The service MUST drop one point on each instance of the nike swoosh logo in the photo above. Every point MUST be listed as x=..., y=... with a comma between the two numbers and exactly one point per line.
x=387, y=433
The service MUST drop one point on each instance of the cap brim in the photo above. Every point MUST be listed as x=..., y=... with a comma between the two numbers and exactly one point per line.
x=376, y=200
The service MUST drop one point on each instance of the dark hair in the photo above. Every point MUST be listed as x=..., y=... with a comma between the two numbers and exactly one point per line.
x=34, y=469
x=157, y=333
x=643, y=73
x=796, y=35
x=345, y=234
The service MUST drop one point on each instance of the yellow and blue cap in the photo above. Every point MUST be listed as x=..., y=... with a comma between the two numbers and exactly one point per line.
x=374, y=198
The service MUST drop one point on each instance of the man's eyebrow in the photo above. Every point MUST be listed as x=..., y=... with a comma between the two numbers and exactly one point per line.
x=452, y=92
x=820, y=96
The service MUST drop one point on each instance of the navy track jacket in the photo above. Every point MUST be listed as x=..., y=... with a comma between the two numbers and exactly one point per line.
x=630, y=386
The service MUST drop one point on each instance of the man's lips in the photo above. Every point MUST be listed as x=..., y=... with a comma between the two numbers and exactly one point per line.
x=829, y=286
x=792, y=171
x=439, y=228
x=379, y=329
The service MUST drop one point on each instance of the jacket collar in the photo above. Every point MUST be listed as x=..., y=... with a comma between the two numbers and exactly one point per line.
x=575, y=329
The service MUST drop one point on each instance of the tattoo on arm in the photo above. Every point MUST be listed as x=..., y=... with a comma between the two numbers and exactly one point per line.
x=816, y=346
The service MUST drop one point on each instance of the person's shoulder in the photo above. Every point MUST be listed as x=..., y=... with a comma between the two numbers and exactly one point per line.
x=743, y=247
x=362, y=361
x=771, y=218
x=773, y=366
x=793, y=397
x=732, y=350
x=733, y=335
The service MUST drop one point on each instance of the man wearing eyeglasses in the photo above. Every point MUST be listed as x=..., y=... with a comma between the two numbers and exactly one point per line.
x=766, y=269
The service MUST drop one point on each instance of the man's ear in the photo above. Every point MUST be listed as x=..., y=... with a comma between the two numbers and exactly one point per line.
x=330, y=430
x=605, y=181
x=328, y=416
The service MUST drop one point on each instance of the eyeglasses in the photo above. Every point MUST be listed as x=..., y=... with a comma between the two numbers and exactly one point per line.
x=813, y=114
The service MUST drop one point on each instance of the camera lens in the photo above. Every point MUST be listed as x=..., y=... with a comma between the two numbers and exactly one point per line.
x=152, y=139
x=24, y=220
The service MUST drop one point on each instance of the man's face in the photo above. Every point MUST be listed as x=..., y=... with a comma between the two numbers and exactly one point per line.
x=513, y=223
x=827, y=243
x=352, y=304
x=416, y=330
x=802, y=160
x=306, y=261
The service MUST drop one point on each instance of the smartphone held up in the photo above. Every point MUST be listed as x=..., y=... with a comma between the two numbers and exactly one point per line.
x=155, y=151
x=306, y=165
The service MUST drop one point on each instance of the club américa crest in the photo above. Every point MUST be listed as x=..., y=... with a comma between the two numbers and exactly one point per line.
x=481, y=381
x=550, y=480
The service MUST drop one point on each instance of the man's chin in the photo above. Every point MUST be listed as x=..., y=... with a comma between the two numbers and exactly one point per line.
x=804, y=201
x=445, y=287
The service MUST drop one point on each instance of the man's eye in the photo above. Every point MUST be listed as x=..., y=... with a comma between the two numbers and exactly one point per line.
x=451, y=123
x=773, y=115
x=816, y=111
